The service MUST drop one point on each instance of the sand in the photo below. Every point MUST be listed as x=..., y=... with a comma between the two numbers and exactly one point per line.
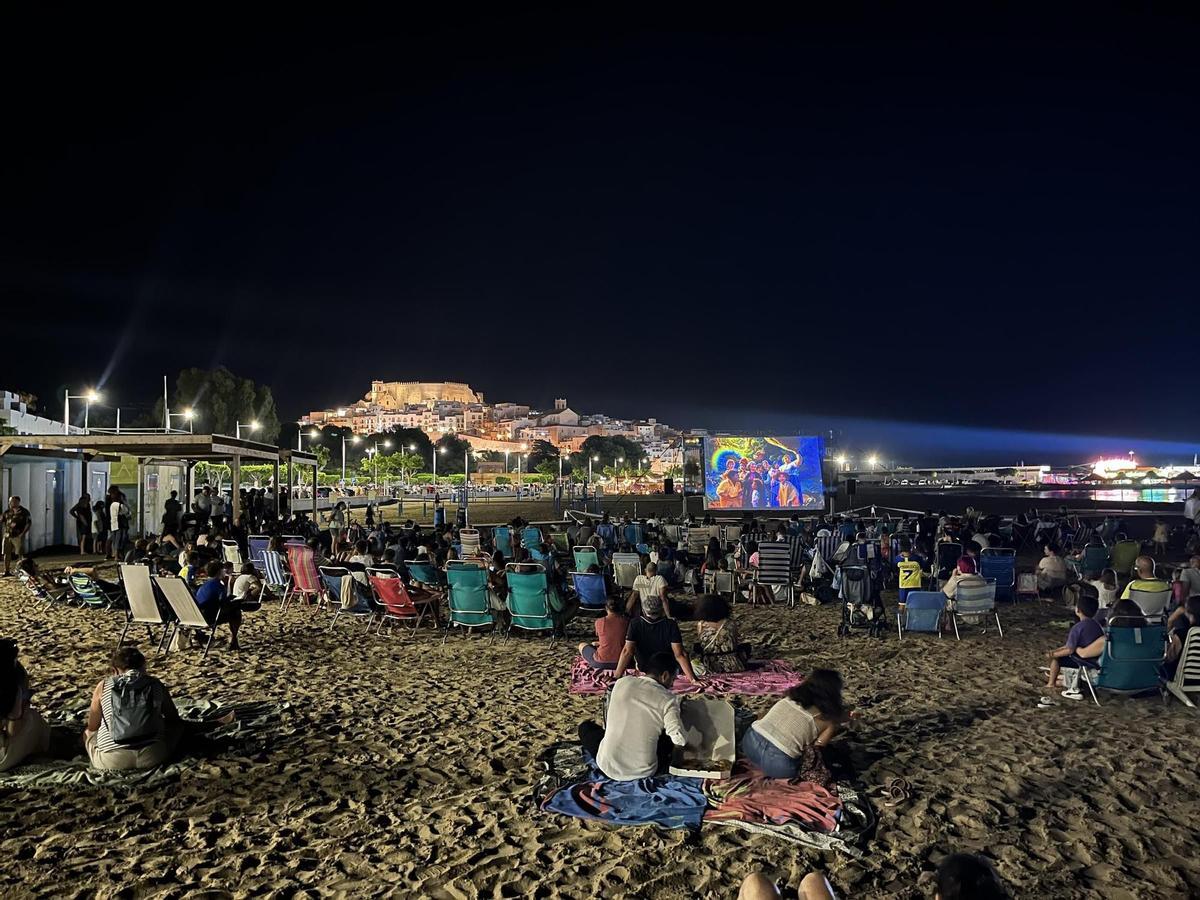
x=405, y=769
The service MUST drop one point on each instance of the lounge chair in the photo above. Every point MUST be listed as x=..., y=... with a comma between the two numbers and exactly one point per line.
x=1131, y=662
x=722, y=583
x=632, y=534
x=585, y=557
x=39, y=592
x=922, y=612
x=426, y=574
x=697, y=541
x=143, y=606
x=502, y=538
x=187, y=613
x=395, y=603
x=341, y=588
x=1187, y=675
x=775, y=569
x=1153, y=604
x=232, y=554
x=593, y=594
x=467, y=596
x=257, y=544
x=529, y=599
x=90, y=594
x=999, y=564
x=469, y=538
x=531, y=537
x=306, y=581
x=275, y=574
x=730, y=534
x=1094, y=559
x=975, y=601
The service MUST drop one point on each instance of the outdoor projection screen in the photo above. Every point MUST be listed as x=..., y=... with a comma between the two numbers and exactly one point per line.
x=763, y=473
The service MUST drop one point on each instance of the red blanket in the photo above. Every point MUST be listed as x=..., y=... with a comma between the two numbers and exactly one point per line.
x=773, y=677
x=749, y=796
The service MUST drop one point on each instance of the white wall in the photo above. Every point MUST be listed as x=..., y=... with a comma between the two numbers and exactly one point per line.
x=26, y=477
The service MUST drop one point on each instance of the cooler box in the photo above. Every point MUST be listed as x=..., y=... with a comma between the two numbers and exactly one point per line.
x=708, y=727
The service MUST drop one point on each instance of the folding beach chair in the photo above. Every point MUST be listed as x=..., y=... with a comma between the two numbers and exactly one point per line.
x=1027, y=585
x=1187, y=675
x=626, y=568
x=671, y=534
x=546, y=560
x=528, y=599
x=531, y=537
x=275, y=574
x=426, y=574
x=697, y=542
x=341, y=589
x=632, y=534
x=1131, y=662
x=232, y=554
x=467, y=595
x=922, y=612
x=585, y=557
x=469, y=538
x=257, y=544
x=592, y=592
x=395, y=604
x=1124, y=554
x=1153, y=604
x=1095, y=559
x=946, y=559
x=38, y=591
x=730, y=534
x=722, y=583
x=502, y=538
x=143, y=607
x=306, y=581
x=562, y=544
x=90, y=594
x=187, y=613
x=999, y=564
x=974, y=601
x=775, y=569
x=828, y=546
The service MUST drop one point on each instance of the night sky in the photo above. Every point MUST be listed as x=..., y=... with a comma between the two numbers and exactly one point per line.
x=988, y=222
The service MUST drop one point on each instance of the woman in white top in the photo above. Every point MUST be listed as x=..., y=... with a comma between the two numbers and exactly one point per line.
x=23, y=732
x=782, y=743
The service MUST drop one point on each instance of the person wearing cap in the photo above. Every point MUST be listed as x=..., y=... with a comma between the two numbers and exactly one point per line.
x=650, y=633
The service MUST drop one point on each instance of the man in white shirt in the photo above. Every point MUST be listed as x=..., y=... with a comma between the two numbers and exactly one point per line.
x=642, y=725
x=649, y=585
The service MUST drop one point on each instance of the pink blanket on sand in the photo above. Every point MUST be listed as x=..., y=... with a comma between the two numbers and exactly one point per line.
x=774, y=676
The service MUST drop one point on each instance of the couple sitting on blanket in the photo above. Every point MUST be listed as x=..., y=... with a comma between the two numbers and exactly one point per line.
x=643, y=725
x=132, y=722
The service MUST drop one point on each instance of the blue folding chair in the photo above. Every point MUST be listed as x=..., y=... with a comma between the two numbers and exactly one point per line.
x=922, y=612
x=257, y=543
x=593, y=595
x=999, y=564
x=632, y=534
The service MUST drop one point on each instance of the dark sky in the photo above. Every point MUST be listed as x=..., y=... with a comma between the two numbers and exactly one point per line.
x=985, y=221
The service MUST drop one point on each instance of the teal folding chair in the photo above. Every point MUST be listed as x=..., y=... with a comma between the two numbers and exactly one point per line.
x=1131, y=662
x=585, y=557
x=502, y=538
x=468, y=599
x=529, y=599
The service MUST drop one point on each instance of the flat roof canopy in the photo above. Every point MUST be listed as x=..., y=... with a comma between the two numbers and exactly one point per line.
x=158, y=445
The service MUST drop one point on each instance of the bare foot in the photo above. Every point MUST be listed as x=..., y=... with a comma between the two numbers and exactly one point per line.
x=228, y=719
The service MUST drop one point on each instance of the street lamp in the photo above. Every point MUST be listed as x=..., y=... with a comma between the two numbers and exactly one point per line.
x=353, y=440
x=590, y=461
x=872, y=461
x=252, y=427
x=189, y=414
x=441, y=450
x=841, y=462
x=88, y=399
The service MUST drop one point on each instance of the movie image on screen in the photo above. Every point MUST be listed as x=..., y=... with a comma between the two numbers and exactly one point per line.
x=763, y=473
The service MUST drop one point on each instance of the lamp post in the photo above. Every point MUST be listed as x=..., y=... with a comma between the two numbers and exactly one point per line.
x=441, y=450
x=189, y=414
x=252, y=427
x=88, y=399
x=590, y=461
x=872, y=462
x=353, y=440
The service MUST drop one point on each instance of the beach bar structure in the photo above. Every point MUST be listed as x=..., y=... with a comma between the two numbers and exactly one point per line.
x=168, y=448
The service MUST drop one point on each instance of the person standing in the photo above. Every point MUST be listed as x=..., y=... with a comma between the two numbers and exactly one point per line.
x=172, y=513
x=81, y=512
x=118, y=523
x=16, y=521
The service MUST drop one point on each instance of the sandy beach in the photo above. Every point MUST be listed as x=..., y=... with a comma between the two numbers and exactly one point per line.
x=401, y=768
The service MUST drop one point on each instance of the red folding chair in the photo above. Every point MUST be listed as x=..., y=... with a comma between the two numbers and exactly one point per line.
x=397, y=604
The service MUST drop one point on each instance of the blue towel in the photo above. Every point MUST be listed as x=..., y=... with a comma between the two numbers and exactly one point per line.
x=664, y=800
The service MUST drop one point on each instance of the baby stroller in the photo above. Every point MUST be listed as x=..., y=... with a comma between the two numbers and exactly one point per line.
x=862, y=607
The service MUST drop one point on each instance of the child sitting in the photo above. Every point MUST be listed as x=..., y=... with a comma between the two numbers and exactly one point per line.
x=611, y=631
x=1106, y=588
x=909, y=570
x=1085, y=643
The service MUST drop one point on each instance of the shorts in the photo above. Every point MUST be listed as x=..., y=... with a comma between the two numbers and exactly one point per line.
x=904, y=592
x=14, y=548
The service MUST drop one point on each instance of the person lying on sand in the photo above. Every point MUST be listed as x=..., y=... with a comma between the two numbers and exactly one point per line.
x=23, y=732
x=960, y=876
x=1085, y=642
x=785, y=742
x=642, y=727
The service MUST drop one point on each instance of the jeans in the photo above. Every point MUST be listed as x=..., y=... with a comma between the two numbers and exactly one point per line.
x=773, y=761
x=589, y=654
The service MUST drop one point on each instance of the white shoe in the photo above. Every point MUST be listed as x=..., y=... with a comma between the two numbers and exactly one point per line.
x=1072, y=695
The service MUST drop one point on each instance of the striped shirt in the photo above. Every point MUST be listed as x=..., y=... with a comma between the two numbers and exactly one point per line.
x=104, y=738
x=789, y=726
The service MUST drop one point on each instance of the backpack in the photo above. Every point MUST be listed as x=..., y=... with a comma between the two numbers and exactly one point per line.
x=136, y=716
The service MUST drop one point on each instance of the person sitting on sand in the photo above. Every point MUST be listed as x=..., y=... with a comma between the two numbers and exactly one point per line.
x=605, y=652
x=648, y=584
x=248, y=588
x=132, y=722
x=651, y=633
x=960, y=876
x=1085, y=642
x=642, y=724
x=23, y=731
x=717, y=641
x=785, y=742
x=215, y=604
x=1145, y=579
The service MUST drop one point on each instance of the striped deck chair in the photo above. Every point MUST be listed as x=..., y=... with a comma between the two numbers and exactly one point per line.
x=275, y=573
x=828, y=546
x=775, y=569
x=38, y=591
x=1187, y=676
x=469, y=537
x=697, y=542
x=922, y=612
x=143, y=606
x=232, y=554
x=975, y=601
x=306, y=581
x=90, y=594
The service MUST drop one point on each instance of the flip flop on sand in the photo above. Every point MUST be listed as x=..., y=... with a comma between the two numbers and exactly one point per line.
x=897, y=791
x=1072, y=695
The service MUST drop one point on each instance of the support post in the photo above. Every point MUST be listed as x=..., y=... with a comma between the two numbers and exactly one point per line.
x=314, y=494
x=235, y=488
x=275, y=489
x=141, y=508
